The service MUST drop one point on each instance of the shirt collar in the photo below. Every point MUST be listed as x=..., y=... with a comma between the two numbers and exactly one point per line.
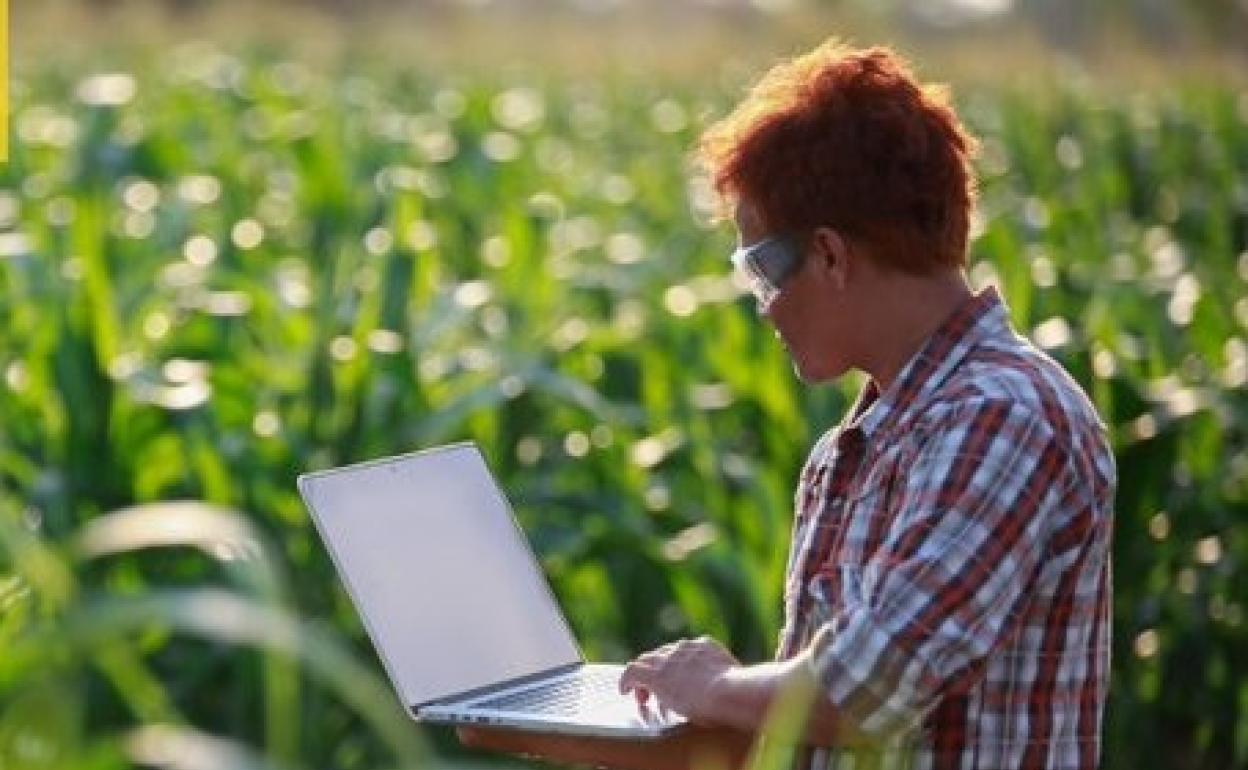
x=981, y=316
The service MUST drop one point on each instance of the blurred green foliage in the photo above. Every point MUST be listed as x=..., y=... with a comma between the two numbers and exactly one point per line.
x=216, y=273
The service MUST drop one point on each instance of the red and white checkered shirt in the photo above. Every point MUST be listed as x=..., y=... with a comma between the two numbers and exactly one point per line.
x=950, y=565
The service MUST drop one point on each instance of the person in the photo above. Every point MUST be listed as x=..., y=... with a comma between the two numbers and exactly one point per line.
x=948, y=587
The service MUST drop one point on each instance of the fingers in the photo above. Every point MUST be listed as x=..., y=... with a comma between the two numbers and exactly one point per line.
x=674, y=678
x=646, y=668
x=658, y=654
x=638, y=675
x=665, y=713
x=645, y=702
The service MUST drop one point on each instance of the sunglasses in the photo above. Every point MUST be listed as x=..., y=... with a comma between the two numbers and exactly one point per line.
x=766, y=266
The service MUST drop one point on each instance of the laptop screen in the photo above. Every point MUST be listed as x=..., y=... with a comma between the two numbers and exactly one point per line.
x=444, y=579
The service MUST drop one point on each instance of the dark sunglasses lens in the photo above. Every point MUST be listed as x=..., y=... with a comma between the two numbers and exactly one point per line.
x=776, y=260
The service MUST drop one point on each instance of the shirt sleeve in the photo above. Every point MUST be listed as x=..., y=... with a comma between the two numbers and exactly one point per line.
x=952, y=576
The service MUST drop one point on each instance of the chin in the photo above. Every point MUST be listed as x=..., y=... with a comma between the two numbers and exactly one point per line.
x=817, y=372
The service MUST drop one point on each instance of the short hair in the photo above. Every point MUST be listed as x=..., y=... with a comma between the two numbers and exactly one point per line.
x=850, y=139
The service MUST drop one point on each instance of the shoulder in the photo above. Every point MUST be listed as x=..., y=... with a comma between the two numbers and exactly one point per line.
x=1010, y=370
x=1010, y=387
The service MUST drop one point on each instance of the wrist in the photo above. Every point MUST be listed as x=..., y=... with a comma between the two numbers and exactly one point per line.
x=724, y=698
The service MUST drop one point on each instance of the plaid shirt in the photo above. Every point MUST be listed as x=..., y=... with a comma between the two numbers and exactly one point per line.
x=950, y=565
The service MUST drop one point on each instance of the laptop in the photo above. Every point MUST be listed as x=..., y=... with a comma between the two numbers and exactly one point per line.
x=455, y=602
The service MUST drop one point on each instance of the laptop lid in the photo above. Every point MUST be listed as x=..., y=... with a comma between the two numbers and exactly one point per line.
x=448, y=588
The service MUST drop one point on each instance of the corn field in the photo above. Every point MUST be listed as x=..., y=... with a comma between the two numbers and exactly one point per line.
x=218, y=271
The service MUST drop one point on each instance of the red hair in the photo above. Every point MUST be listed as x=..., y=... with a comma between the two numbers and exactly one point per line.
x=850, y=139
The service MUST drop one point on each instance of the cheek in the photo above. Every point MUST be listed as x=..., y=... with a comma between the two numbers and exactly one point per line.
x=818, y=348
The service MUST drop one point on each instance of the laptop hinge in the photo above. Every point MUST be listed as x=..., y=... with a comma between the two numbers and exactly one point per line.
x=479, y=691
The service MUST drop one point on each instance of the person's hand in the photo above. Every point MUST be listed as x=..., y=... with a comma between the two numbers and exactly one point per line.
x=681, y=676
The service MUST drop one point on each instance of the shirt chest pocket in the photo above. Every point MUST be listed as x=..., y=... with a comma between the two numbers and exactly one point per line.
x=869, y=511
x=838, y=543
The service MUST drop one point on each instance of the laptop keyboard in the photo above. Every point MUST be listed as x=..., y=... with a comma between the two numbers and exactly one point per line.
x=563, y=696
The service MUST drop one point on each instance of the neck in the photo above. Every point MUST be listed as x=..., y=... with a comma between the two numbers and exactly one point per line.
x=908, y=310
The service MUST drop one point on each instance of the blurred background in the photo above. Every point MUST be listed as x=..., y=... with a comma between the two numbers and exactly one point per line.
x=241, y=240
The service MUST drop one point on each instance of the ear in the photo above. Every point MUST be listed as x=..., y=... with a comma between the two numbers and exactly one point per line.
x=833, y=254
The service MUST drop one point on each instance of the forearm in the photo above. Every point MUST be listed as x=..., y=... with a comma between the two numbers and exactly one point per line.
x=745, y=698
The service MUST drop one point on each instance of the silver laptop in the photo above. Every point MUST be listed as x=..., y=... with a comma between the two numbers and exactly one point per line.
x=455, y=602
